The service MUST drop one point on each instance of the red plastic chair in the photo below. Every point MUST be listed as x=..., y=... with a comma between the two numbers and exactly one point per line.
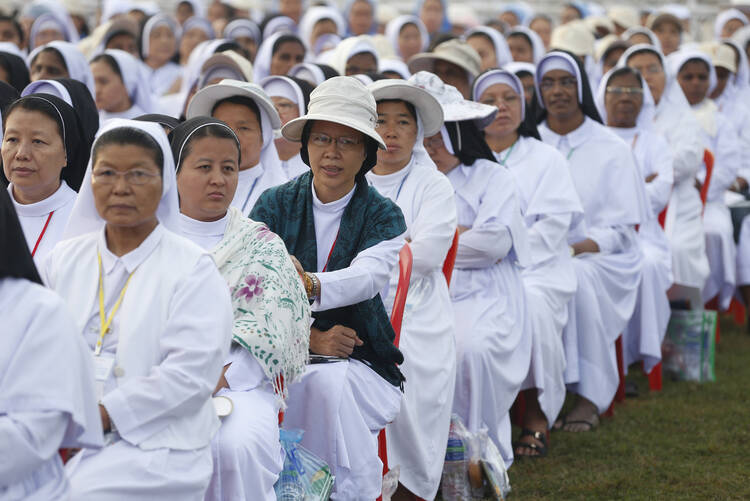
x=708, y=160
x=450, y=260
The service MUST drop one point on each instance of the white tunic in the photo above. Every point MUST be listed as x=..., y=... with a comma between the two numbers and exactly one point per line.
x=44, y=404
x=252, y=183
x=162, y=78
x=614, y=201
x=294, y=167
x=167, y=354
x=418, y=437
x=33, y=217
x=492, y=341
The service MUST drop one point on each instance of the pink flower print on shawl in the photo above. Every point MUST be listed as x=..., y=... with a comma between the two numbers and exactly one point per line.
x=252, y=288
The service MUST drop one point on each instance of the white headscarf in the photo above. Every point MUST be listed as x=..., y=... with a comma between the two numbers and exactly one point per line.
x=645, y=118
x=242, y=28
x=516, y=68
x=315, y=15
x=84, y=218
x=151, y=24
x=262, y=63
x=502, y=52
x=725, y=16
x=279, y=24
x=50, y=21
x=557, y=60
x=738, y=86
x=75, y=61
x=282, y=86
x=498, y=76
x=635, y=30
x=394, y=66
x=201, y=23
x=350, y=48
x=537, y=45
x=135, y=79
x=394, y=27
x=677, y=60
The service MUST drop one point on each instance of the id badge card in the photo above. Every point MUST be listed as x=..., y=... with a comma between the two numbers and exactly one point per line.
x=102, y=370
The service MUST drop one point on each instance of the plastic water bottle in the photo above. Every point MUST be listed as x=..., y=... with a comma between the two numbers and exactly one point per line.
x=455, y=482
x=289, y=488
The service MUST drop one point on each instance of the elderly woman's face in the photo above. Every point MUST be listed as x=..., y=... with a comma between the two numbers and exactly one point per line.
x=649, y=66
x=508, y=105
x=336, y=154
x=623, y=100
x=127, y=185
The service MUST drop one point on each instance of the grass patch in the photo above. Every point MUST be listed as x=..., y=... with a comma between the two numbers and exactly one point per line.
x=688, y=441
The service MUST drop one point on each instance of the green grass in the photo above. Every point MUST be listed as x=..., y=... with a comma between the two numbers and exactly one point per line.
x=689, y=441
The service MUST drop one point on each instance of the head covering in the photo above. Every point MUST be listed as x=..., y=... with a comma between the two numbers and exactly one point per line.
x=445, y=26
x=348, y=8
x=678, y=59
x=75, y=61
x=225, y=65
x=163, y=120
x=201, y=23
x=394, y=66
x=635, y=30
x=661, y=16
x=15, y=258
x=350, y=48
x=429, y=111
x=8, y=94
x=573, y=37
x=122, y=26
x=180, y=135
x=722, y=55
x=502, y=52
x=76, y=146
x=740, y=83
x=262, y=63
x=527, y=127
x=455, y=107
x=314, y=73
x=135, y=79
x=15, y=67
x=560, y=60
x=199, y=7
x=624, y=15
x=394, y=27
x=522, y=10
x=242, y=28
x=537, y=45
x=296, y=90
x=198, y=57
x=12, y=48
x=84, y=217
x=581, y=7
x=457, y=52
x=50, y=21
x=315, y=15
x=112, y=8
x=727, y=15
x=516, y=68
x=277, y=24
x=646, y=116
x=154, y=22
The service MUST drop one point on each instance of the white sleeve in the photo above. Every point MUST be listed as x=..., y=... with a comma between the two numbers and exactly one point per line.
x=28, y=439
x=610, y=239
x=547, y=236
x=245, y=372
x=194, y=346
x=433, y=228
x=726, y=161
x=659, y=190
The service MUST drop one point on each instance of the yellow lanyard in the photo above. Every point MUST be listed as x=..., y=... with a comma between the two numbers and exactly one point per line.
x=104, y=321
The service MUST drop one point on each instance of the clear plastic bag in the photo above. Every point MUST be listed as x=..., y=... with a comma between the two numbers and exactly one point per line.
x=390, y=483
x=689, y=346
x=305, y=476
x=454, y=483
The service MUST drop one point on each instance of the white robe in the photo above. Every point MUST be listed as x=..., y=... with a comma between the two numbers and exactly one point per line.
x=743, y=257
x=252, y=183
x=343, y=406
x=33, y=218
x=44, y=404
x=419, y=435
x=167, y=356
x=549, y=204
x=494, y=350
x=294, y=167
x=161, y=79
x=614, y=201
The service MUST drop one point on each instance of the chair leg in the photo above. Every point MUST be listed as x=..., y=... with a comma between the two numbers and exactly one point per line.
x=620, y=395
x=738, y=311
x=654, y=378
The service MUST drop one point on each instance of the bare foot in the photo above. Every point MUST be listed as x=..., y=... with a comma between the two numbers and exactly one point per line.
x=582, y=417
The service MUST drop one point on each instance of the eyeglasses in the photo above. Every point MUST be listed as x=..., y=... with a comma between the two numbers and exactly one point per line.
x=565, y=83
x=134, y=177
x=625, y=91
x=324, y=140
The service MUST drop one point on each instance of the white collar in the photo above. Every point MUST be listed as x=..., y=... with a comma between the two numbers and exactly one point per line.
x=575, y=137
x=254, y=172
x=335, y=206
x=134, y=258
x=62, y=196
x=190, y=226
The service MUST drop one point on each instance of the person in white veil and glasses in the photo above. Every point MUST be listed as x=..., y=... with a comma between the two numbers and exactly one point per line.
x=156, y=315
x=607, y=255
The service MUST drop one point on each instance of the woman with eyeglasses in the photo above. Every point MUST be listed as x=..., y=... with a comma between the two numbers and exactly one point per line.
x=345, y=238
x=607, y=255
x=626, y=106
x=156, y=315
x=549, y=204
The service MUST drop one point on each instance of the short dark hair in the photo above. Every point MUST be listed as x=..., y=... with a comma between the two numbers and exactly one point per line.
x=110, y=61
x=409, y=107
x=53, y=51
x=16, y=26
x=243, y=101
x=124, y=136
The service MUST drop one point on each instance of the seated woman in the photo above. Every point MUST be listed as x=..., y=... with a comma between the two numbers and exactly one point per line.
x=346, y=238
x=318, y=21
x=407, y=35
x=122, y=86
x=159, y=43
x=44, y=158
x=290, y=96
x=60, y=60
x=608, y=257
x=247, y=109
x=406, y=174
x=549, y=205
x=195, y=30
x=277, y=54
x=492, y=48
x=354, y=56
x=271, y=312
x=45, y=404
x=492, y=331
x=626, y=106
x=157, y=361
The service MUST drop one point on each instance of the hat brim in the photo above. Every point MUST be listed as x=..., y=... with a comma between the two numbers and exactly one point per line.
x=293, y=128
x=427, y=106
x=205, y=99
x=425, y=61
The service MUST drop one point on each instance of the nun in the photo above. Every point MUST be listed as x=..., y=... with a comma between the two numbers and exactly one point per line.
x=346, y=239
x=246, y=33
x=248, y=110
x=728, y=22
x=60, y=60
x=684, y=218
x=526, y=73
x=278, y=54
x=640, y=35
x=48, y=28
x=13, y=70
x=319, y=21
x=159, y=42
x=156, y=362
x=408, y=36
x=525, y=45
x=313, y=73
x=607, y=255
x=626, y=106
x=492, y=342
x=354, y=56
x=434, y=16
x=492, y=48
x=360, y=17
x=46, y=405
x=549, y=205
x=194, y=31
x=541, y=24
x=696, y=75
x=290, y=97
x=406, y=175
x=44, y=157
x=122, y=86
x=270, y=331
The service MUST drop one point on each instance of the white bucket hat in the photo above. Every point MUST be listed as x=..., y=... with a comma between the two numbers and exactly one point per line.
x=721, y=55
x=574, y=37
x=342, y=100
x=455, y=107
x=457, y=52
x=205, y=99
x=428, y=108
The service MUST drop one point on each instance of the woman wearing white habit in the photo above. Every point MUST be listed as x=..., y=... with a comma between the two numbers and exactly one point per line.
x=492, y=342
x=44, y=159
x=248, y=110
x=156, y=314
x=626, y=106
x=406, y=174
x=696, y=75
x=349, y=236
x=608, y=257
x=549, y=204
x=272, y=315
x=44, y=404
x=674, y=119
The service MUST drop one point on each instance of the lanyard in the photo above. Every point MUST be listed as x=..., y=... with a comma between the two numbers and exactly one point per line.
x=106, y=322
x=331, y=252
x=247, y=198
x=41, y=235
x=502, y=162
x=570, y=153
x=635, y=140
x=398, y=192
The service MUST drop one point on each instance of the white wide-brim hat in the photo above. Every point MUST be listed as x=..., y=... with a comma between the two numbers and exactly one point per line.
x=457, y=52
x=429, y=109
x=205, y=99
x=455, y=107
x=341, y=100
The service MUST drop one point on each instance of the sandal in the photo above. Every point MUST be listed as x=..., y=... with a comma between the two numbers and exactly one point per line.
x=592, y=424
x=541, y=450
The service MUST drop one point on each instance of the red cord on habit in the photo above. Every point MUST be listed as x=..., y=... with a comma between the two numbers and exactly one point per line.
x=41, y=235
x=330, y=252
